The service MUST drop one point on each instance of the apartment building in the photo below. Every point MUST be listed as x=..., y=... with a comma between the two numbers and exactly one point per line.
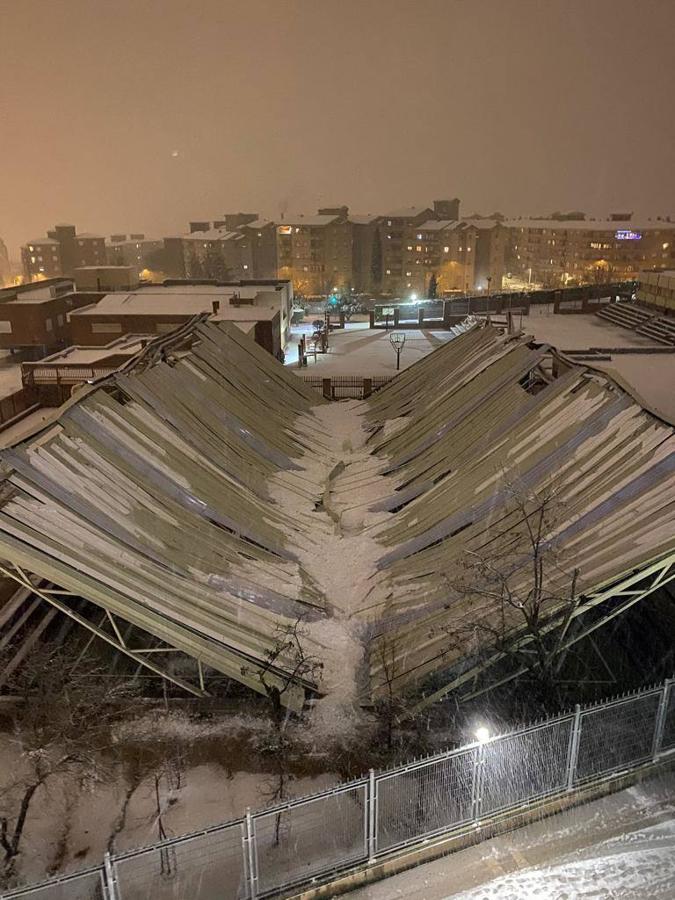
x=216, y=254
x=465, y=255
x=395, y=226
x=135, y=250
x=552, y=252
x=60, y=252
x=315, y=252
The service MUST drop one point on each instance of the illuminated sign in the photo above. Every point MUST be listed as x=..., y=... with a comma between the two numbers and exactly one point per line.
x=628, y=236
x=285, y=229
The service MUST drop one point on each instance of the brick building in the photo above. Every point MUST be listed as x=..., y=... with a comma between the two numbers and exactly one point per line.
x=36, y=316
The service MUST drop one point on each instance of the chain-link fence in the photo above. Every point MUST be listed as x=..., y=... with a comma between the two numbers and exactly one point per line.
x=272, y=851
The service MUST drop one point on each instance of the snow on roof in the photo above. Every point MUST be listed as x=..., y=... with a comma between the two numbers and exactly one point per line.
x=89, y=236
x=297, y=221
x=407, y=212
x=170, y=479
x=362, y=220
x=175, y=303
x=437, y=225
x=603, y=225
x=40, y=242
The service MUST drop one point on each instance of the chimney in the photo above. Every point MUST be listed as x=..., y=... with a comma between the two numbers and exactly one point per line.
x=216, y=306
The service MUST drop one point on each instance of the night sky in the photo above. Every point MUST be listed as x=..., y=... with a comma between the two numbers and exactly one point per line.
x=124, y=115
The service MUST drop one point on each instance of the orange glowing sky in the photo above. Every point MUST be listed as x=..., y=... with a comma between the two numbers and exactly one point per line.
x=142, y=114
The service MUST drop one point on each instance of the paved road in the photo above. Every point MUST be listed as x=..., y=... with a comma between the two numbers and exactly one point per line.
x=620, y=847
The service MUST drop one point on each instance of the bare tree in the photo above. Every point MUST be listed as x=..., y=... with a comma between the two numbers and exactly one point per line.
x=63, y=726
x=516, y=581
x=297, y=664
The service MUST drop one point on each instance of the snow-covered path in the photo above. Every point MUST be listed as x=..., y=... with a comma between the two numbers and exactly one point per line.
x=620, y=847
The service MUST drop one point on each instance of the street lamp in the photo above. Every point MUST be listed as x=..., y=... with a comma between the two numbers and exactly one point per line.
x=482, y=734
x=397, y=341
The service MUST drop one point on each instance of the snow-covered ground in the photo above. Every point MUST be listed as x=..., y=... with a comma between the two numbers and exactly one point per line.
x=360, y=350
x=621, y=847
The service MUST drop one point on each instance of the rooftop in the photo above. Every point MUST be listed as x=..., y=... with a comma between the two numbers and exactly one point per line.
x=297, y=221
x=176, y=303
x=407, y=212
x=204, y=475
x=590, y=225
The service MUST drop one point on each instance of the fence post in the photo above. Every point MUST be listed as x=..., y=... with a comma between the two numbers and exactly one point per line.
x=327, y=388
x=110, y=878
x=574, y=748
x=661, y=718
x=249, y=842
x=372, y=817
x=367, y=387
x=477, y=784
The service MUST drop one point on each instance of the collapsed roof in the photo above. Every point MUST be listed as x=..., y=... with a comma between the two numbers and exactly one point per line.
x=212, y=501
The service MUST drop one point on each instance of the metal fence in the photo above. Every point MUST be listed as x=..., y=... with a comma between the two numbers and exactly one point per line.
x=346, y=387
x=270, y=852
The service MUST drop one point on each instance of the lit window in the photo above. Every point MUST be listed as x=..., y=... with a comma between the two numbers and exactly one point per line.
x=42, y=268
x=665, y=246
x=388, y=237
x=389, y=222
x=297, y=230
x=418, y=247
x=48, y=324
x=31, y=248
x=408, y=274
x=245, y=266
x=410, y=246
x=419, y=237
x=33, y=259
x=388, y=272
x=446, y=249
x=468, y=249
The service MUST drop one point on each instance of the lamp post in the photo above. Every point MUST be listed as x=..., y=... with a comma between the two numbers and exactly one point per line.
x=397, y=341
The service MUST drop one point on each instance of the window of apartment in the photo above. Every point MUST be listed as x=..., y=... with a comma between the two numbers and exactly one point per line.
x=387, y=272
x=41, y=269
x=59, y=319
x=31, y=247
x=245, y=266
x=389, y=222
x=446, y=249
x=388, y=237
x=48, y=324
x=81, y=243
x=5, y=327
x=418, y=248
x=408, y=274
x=419, y=237
x=33, y=259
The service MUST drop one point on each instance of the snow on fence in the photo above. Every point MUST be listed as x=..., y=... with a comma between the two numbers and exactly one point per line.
x=269, y=852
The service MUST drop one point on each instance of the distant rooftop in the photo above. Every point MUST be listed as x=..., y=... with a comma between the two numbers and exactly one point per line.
x=434, y=225
x=41, y=242
x=297, y=221
x=590, y=224
x=407, y=212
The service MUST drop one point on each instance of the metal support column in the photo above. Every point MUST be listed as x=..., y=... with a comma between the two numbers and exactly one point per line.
x=661, y=718
x=372, y=816
x=249, y=845
x=477, y=784
x=110, y=879
x=574, y=748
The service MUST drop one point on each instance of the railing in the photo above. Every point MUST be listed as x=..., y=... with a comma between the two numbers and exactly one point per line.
x=344, y=387
x=13, y=405
x=267, y=853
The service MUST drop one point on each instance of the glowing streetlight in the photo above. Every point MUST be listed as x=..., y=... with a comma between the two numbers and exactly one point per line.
x=413, y=297
x=482, y=734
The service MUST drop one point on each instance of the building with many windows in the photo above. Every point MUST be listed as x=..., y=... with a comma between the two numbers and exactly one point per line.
x=315, y=252
x=554, y=252
x=61, y=252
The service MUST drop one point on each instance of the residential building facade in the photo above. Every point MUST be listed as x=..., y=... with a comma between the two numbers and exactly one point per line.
x=551, y=252
x=62, y=251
